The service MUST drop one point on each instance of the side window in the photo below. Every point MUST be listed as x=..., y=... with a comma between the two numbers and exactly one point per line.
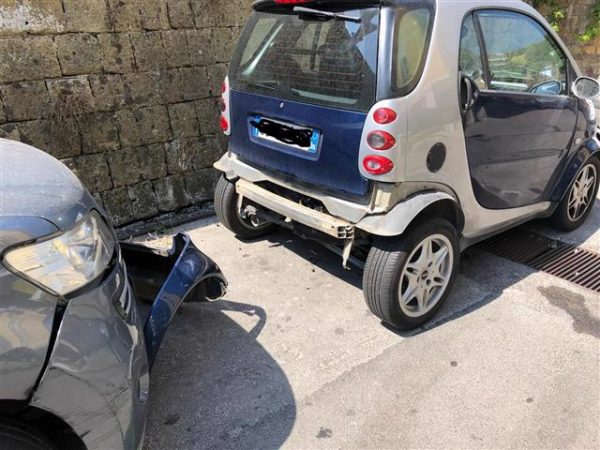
x=410, y=45
x=521, y=55
x=470, y=60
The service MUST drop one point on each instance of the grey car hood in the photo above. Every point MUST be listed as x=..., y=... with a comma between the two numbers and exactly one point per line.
x=38, y=194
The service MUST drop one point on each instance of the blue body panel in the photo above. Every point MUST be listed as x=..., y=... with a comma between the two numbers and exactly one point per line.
x=334, y=166
x=517, y=146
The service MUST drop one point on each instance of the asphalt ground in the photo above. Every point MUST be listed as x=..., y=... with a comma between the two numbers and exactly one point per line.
x=292, y=357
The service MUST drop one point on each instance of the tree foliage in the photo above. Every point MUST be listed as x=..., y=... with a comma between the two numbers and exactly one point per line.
x=557, y=13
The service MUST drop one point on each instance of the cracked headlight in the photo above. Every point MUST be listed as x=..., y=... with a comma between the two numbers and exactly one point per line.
x=68, y=261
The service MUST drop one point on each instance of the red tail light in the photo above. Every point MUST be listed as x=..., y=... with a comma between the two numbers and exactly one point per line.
x=380, y=140
x=377, y=165
x=292, y=2
x=224, y=106
x=384, y=116
x=224, y=124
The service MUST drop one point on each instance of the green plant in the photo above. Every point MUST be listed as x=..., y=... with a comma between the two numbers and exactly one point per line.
x=556, y=13
x=592, y=30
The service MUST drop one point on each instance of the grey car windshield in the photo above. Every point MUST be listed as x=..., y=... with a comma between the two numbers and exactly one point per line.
x=301, y=58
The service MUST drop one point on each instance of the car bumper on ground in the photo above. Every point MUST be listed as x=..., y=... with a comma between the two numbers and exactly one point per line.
x=97, y=376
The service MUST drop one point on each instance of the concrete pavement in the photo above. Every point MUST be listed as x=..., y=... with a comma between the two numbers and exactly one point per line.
x=293, y=358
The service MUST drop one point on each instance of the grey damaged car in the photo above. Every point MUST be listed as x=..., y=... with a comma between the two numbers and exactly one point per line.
x=75, y=351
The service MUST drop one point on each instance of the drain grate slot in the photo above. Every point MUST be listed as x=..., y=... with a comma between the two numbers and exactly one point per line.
x=566, y=261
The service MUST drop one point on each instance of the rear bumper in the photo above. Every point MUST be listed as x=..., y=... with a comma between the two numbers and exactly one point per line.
x=319, y=221
x=346, y=210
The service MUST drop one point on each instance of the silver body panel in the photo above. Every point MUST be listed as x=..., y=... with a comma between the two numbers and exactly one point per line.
x=97, y=377
x=435, y=117
x=26, y=322
x=428, y=115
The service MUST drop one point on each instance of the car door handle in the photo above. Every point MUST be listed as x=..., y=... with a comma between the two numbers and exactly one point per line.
x=469, y=88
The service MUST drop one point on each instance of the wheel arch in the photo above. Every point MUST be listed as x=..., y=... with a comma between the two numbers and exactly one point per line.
x=413, y=209
x=50, y=425
x=590, y=150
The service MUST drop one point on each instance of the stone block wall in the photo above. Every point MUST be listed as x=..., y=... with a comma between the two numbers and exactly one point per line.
x=577, y=17
x=125, y=92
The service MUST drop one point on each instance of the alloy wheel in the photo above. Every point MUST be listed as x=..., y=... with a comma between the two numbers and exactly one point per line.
x=581, y=193
x=426, y=275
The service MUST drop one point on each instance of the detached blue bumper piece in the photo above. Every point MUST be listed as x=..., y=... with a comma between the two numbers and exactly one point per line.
x=184, y=273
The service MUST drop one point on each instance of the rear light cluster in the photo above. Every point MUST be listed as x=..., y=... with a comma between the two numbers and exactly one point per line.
x=377, y=165
x=380, y=140
x=224, y=120
x=292, y=2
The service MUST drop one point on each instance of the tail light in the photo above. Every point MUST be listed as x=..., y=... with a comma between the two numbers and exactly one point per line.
x=380, y=140
x=224, y=124
x=225, y=120
x=377, y=165
x=383, y=116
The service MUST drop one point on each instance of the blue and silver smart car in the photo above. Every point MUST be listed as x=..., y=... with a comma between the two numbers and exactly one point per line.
x=408, y=129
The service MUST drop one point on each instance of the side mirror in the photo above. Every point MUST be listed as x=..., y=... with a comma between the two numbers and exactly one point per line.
x=586, y=88
x=550, y=87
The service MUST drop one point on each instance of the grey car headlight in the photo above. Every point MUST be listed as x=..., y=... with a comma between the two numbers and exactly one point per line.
x=68, y=261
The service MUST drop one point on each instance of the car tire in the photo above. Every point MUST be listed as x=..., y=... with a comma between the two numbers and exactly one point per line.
x=226, y=208
x=398, y=267
x=579, y=201
x=16, y=436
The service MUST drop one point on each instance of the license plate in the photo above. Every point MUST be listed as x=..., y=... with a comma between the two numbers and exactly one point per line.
x=314, y=139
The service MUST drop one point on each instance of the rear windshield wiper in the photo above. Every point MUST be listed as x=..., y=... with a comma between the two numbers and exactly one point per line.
x=324, y=15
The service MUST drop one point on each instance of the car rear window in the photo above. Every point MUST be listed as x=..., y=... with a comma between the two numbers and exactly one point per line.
x=324, y=62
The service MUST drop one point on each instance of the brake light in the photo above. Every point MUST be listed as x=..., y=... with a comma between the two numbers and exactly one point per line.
x=377, y=165
x=225, y=119
x=383, y=116
x=224, y=124
x=380, y=140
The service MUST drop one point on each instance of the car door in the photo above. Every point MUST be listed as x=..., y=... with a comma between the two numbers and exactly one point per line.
x=519, y=119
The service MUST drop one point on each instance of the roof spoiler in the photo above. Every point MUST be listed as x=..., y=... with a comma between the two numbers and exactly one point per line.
x=286, y=5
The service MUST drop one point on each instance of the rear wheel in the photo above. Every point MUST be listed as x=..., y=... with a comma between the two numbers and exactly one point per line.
x=407, y=278
x=579, y=201
x=226, y=208
x=15, y=436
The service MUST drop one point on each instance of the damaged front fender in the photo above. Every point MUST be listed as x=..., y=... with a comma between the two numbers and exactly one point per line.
x=182, y=273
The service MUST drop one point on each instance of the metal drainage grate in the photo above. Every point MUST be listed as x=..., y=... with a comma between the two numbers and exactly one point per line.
x=557, y=258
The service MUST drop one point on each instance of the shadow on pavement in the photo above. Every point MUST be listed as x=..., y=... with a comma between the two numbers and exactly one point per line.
x=215, y=386
x=477, y=268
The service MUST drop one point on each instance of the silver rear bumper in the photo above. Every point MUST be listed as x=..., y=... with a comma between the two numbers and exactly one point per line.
x=322, y=222
x=346, y=210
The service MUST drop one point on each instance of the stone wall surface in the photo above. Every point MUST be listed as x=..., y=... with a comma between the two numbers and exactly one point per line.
x=578, y=13
x=125, y=92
